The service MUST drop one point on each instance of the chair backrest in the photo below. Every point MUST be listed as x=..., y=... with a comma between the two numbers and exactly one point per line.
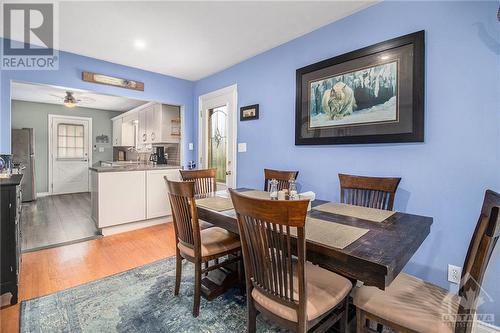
x=204, y=180
x=478, y=256
x=267, y=232
x=372, y=192
x=281, y=176
x=184, y=213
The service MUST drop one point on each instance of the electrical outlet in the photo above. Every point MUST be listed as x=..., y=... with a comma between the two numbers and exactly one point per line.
x=454, y=274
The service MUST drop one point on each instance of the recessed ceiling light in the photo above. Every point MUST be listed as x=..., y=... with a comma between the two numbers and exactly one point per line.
x=139, y=44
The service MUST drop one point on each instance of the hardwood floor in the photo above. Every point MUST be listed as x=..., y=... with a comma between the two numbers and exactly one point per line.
x=57, y=219
x=47, y=271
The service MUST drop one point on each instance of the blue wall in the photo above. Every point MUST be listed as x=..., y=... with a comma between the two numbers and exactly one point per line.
x=158, y=87
x=446, y=176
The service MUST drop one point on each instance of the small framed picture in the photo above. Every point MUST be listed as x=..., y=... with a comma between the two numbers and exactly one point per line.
x=249, y=112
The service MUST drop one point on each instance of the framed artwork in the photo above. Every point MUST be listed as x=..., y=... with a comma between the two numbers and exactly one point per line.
x=371, y=95
x=249, y=112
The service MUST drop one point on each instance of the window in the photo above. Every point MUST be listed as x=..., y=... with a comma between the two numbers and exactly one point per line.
x=217, y=141
x=70, y=141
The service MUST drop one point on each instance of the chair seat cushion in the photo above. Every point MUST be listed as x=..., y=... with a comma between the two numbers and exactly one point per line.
x=214, y=241
x=325, y=290
x=411, y=303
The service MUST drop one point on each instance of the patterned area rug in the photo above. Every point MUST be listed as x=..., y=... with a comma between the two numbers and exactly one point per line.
x=138, y=300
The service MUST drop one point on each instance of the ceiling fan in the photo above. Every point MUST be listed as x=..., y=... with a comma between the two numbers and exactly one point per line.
x=71, y=101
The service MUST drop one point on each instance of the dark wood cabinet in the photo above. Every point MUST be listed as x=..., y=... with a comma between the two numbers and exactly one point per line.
x=10, y=235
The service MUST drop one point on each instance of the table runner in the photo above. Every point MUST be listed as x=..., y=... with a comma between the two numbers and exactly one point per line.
x=256, y=194
x=330, y=233
x=364, y=213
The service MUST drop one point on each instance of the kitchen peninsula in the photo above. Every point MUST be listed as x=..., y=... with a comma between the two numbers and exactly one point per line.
x=128, y=197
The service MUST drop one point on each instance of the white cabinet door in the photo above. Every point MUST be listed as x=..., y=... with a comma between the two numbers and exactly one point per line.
x=153, y=123
x=122, y=197
x=143, y=135
x=157, y=193
x=117, y=132
x=128, y=134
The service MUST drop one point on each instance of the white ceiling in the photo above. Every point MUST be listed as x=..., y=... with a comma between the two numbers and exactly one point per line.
x=189, y=40
x=55, y=95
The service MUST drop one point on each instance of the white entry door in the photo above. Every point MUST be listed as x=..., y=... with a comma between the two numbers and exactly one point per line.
x=217, y=134
x=69, y=154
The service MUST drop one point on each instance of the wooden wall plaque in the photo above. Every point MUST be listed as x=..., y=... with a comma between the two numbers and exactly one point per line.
x=112, y=81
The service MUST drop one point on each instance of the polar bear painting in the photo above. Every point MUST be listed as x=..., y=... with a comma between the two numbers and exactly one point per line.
x=364, y=96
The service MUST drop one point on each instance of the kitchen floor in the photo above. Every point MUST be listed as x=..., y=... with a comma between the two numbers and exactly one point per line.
x=56, y=220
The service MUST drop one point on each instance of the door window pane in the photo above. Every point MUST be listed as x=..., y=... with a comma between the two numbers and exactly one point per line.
x=70, y=141
x=217, y=141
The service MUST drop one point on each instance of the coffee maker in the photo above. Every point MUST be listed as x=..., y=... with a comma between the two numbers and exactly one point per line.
x=161, y=156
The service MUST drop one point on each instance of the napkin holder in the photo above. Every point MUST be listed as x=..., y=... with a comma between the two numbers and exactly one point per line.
x=309, y=195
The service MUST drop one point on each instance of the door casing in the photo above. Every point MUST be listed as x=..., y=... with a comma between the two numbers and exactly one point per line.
x=51, y=152
x=225, y=96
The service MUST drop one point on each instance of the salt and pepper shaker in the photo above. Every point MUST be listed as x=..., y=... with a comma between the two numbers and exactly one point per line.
x=273, y=189
x=292, y=188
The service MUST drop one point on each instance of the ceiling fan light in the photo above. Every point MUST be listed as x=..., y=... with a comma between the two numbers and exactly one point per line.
x=69, y=104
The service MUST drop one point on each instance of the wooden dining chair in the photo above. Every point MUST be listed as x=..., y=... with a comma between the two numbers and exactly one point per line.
x=204, y=182
x=204, y=179
x=412, y=305
x=372, y=192
x=195, y=245
x=281, y=176
x=283, y=287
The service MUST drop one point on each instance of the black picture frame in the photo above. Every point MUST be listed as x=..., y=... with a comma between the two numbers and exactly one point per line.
x=244, y=110
x=408, y=125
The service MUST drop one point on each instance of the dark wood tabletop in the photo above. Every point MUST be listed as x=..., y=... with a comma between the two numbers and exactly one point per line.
x=375, y=259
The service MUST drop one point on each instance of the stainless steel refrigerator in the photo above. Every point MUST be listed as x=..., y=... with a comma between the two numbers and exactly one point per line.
x=23, y=156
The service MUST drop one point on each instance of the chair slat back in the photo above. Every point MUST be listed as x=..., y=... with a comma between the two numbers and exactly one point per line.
x=184, y=213
x=372, y=192
x=267, y=232
x=476, y=262
x=281, y=176
x=204, y=180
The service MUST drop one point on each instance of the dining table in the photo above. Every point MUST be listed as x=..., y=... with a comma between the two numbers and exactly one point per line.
x=375, y=258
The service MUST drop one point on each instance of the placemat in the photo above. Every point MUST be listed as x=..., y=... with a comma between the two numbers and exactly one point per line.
x=215, y=203
x=256, y=194
x=330, y=233
x=364, y=213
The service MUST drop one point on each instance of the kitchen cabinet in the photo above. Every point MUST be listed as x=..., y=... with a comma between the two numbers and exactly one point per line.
x=124, y=132
x=120, y=197
x=155, y=123
x=157, y=203
x=117, y=132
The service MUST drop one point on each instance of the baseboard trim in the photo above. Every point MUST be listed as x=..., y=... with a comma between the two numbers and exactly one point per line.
x=482, y=327
x=42, y=194
x=116, y=229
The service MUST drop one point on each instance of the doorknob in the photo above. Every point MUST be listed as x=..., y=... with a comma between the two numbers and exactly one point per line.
x=228, y=173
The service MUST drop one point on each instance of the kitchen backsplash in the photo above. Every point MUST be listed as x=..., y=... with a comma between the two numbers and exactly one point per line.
x=172, y=149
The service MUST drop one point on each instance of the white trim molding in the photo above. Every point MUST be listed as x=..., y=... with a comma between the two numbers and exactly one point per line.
x=50, y=147
x=225, y=96
x=43, y=194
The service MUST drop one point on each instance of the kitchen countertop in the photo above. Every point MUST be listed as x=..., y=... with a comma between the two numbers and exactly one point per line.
x=13, y=180
x=132, y=167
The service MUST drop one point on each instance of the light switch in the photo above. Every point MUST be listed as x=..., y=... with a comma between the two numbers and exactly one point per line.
x=242, y=147
x=190, y=146
x=101, y=149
